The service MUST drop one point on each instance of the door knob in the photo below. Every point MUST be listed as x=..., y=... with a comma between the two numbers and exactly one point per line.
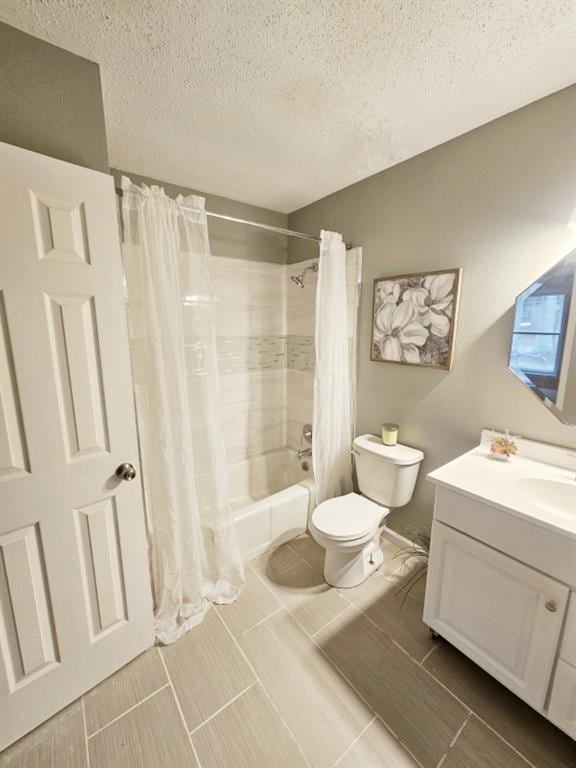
x=125, y=472
x=551, y=606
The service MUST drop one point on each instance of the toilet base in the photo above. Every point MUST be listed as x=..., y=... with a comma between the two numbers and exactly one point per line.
x=348, y=569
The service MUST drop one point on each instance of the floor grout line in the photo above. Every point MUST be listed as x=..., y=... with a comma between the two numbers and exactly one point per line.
x=412, y=659
x=441, y=684
x=286, y=607
x=313, y=638
x=497, y=733
x=479, y=717
x=355, y=741
x=262, y=621
x=259, y=681
x=375, y=714
x=342, y=593
x=398, y=739
x=291, y=612
x=273, y=593
x=415, y=661
x=343, y=676
x=381, y=631
x=356, y=691
x=126, y=711
x=459, y=731
x=454, y=740
x=307, y=564
x=299, y=556
x=218, y=711
x=422, y=661
x=85, y=732
x=332, y=620
x=179, y=707
x=442, y=759
x=391, y=639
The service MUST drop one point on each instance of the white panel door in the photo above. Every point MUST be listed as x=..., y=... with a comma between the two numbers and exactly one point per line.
x=75, y=600
x=503, y=615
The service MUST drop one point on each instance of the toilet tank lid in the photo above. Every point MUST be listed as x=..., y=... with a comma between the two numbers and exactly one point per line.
x=395, y=454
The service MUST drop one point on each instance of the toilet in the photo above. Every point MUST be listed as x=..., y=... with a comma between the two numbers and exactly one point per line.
x=348, y=527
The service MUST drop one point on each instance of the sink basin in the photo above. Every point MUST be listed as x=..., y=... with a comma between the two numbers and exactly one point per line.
x=556, y=496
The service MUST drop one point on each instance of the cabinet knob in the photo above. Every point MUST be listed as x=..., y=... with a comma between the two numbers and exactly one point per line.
x=551, y=606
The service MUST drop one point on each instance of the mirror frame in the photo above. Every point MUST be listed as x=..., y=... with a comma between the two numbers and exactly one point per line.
x=518, y=373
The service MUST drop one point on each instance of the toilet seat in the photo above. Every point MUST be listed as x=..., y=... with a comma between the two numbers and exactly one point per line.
x=347, y=518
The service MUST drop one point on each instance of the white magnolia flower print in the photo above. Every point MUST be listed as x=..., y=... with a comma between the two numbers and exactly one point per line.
x=433, y=302
x=401, y=332
x=388, y=292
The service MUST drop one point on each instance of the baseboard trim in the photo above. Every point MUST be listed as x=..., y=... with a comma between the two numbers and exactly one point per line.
x=396, y=537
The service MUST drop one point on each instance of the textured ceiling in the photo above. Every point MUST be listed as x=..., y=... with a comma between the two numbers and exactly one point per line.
x=280, y=102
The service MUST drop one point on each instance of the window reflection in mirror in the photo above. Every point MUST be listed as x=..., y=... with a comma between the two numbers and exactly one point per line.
x=542, y=351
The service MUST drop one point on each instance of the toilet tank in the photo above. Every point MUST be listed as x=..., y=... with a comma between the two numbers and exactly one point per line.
x=386, y=473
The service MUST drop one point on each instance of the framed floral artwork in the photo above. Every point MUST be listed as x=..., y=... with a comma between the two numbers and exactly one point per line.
x=414, y=318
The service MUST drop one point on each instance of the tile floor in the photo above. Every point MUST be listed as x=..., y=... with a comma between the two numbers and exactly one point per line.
x=300, y=674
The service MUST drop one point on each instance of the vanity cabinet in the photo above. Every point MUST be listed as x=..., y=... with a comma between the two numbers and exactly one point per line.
x=503, y=615
x=562, y=707
x=503, y=591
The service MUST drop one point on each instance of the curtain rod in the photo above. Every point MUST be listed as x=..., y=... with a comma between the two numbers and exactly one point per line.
x=269, y=227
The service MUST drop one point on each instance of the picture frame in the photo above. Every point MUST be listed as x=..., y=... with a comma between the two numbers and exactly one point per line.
x=421, y=333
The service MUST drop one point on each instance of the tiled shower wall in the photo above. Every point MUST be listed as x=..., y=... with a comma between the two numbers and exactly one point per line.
x=265, y=337
x=250, y=301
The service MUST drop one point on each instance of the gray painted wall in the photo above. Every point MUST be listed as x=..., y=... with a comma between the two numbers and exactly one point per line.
x=495, y=202
x=236, y=241
x=50, y=101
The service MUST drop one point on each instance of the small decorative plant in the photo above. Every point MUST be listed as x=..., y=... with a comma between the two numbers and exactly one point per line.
x=419, y=552
x=503, y=446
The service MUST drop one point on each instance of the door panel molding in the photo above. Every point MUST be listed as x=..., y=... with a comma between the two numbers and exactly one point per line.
x=60, y=228
x=77, y=368
x=27, y=632
x=14, y=459
x=97, y=526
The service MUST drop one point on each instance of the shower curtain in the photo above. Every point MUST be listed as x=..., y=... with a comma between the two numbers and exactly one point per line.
x=332, y=426
x=195, y=560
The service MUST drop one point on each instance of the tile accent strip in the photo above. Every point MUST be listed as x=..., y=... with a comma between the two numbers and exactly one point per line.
x=301, y=353
x=251, y=353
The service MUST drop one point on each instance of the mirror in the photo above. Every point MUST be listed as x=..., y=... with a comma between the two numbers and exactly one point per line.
x=543, y=349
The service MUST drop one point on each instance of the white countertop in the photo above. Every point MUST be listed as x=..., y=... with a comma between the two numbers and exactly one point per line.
x=503, y=484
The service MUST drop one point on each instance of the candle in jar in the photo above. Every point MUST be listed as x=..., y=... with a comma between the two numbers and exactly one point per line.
x=389, y=434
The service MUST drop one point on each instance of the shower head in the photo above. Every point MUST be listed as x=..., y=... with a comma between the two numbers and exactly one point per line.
x=299, y=279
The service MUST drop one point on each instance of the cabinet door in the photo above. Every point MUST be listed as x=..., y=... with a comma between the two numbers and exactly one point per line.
x=562, y=709
x=503, y=615
x=568, y=644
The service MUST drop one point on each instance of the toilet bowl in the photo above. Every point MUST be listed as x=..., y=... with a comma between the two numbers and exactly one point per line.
x=349, y=527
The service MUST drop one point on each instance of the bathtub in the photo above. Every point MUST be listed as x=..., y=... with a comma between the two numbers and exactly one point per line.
x=272, y=497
